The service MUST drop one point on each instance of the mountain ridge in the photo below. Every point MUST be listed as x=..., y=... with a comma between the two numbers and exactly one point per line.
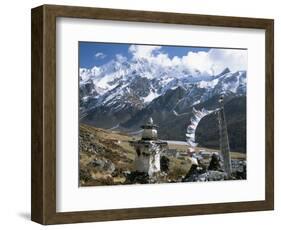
x=122, y=95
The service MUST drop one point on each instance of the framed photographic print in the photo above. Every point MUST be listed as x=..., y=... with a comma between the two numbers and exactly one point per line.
x=141, y=114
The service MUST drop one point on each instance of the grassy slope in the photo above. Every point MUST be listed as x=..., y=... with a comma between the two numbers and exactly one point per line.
x=121, y=154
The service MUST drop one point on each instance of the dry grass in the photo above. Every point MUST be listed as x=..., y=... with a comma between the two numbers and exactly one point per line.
x=114, y=147
x=178, y=168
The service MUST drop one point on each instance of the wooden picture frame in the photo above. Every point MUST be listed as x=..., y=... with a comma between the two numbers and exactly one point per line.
x=43, y=189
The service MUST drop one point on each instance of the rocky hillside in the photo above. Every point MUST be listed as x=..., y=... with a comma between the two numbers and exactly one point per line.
x=104, y=156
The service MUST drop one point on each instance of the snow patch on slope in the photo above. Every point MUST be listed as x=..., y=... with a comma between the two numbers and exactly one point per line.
x=150, y=97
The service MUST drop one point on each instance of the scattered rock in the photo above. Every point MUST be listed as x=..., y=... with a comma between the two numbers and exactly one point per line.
x=85, y=176
x=193, y=173
x=239, y=169
x=103, y=165
x=197, y=174
x=211, y=175
x=216, y=163
x=137, y=178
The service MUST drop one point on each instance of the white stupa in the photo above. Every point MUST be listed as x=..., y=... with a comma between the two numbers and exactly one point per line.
x=148, y=149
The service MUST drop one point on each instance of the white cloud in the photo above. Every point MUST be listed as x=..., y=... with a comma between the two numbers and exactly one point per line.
x=216, y=60
x=100, y=55
x=210, y=62
x=120, y=58
x=162, y=59
x=143, y=51
x=198, y=61
x=152, y=54
x=234, y=59
x=176, y=60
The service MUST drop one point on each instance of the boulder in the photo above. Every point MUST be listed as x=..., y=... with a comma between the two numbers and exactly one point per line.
x=137, y=178
x=215, y=163
x=103, y=165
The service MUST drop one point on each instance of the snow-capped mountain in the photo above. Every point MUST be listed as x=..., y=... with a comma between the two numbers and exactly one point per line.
x=122, y=95
x=120, y=84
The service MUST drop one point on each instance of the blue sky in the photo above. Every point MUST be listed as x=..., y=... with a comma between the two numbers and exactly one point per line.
x=96, y=53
